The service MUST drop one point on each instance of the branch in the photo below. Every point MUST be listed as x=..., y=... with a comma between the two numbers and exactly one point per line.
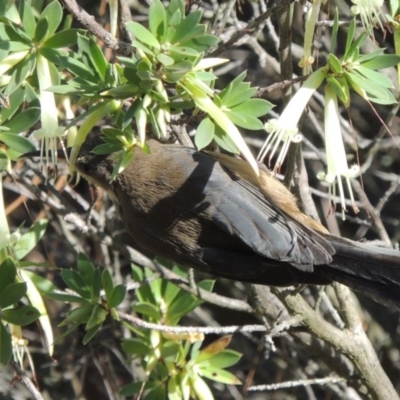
x=94, y=27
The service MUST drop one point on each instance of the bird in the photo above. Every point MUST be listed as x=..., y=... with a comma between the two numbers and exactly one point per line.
x=210, y=211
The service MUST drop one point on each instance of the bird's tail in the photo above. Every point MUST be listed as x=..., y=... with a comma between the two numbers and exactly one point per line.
x=374, y=271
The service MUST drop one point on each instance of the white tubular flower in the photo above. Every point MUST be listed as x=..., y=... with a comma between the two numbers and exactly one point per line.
x=370, y=13
x=335, y=153
x=50, y=131
x=285, y=128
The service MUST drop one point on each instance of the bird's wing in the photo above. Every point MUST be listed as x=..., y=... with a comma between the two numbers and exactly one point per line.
x=240, y=209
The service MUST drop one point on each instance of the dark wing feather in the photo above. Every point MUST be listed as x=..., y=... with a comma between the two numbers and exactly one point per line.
x=244, y=212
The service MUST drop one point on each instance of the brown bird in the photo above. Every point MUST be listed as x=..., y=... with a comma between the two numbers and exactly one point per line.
x=209, y=211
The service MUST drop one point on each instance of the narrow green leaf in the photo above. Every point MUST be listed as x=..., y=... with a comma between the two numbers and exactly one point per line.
x=98, y=59
x=142, y=34
x=90, y=334
x=75, y=282
x=68, y=298
x=224, y=359
x=42, y=30
x=5, y=345
x=24, y=120
x=220, y=375
x=376, y=77
x=334, y=31
x=370, y=56
x=28, y=19
x=78, y=69
x=78, y=315
x=65, y=38
x=21, y=316
x=54, y=14
x=16, y=98
x=107, y=282
x=201, y=43
x=157, y=20
x=381, y=62
x=18, y=143
x=188, y=28
x=149, y=310
x=117, y=296
x=99, y=314
x=12, y=294
x=136, y=347
x=204, y=133
x=30, y=239
x=14, y=46
x=350, y=35
x=244, y=120
x=8, y=273
x=254, y=107
x=335, y=64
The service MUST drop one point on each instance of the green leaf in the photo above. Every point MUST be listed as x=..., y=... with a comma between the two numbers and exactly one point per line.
x=224, y=359
x=135, y=347
x=65, y=38
x=381, y=62
x=54, y=14
x=254, y=107
x=149, y=310
x=142, y=34
x=93, y=56
x=204, y=133
x=42, y=30
x=201, y=43
x=12, y=294
x=5, y=345
x=99, y=314
x=350, y=37
x=244, y=120
x=43, y=285
x=85, y=268
x=224, y=141
x=30, y=239
x=90, y=334
x=188, y=28
x=132, y=389
x=183, y=303
x=335, y=64
x=21, y=316
x=78, y=69
x=157, y=20
x=376, y=77
x=96, y=284
x=78, y=315
x=220, y=375
x=14, y=46
x=18, y=143
x=16, y=98
x=117, y=296
x=28, y=19
x=376, y=93
x=122, y=92
x=107, y=282
x=8, y=273
x=21, y=72
x=68, y=298
x=75, y=282
x=370, y=56
x=24, y=120
x=341, y=90
x=334, y=31
x=165, y=60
